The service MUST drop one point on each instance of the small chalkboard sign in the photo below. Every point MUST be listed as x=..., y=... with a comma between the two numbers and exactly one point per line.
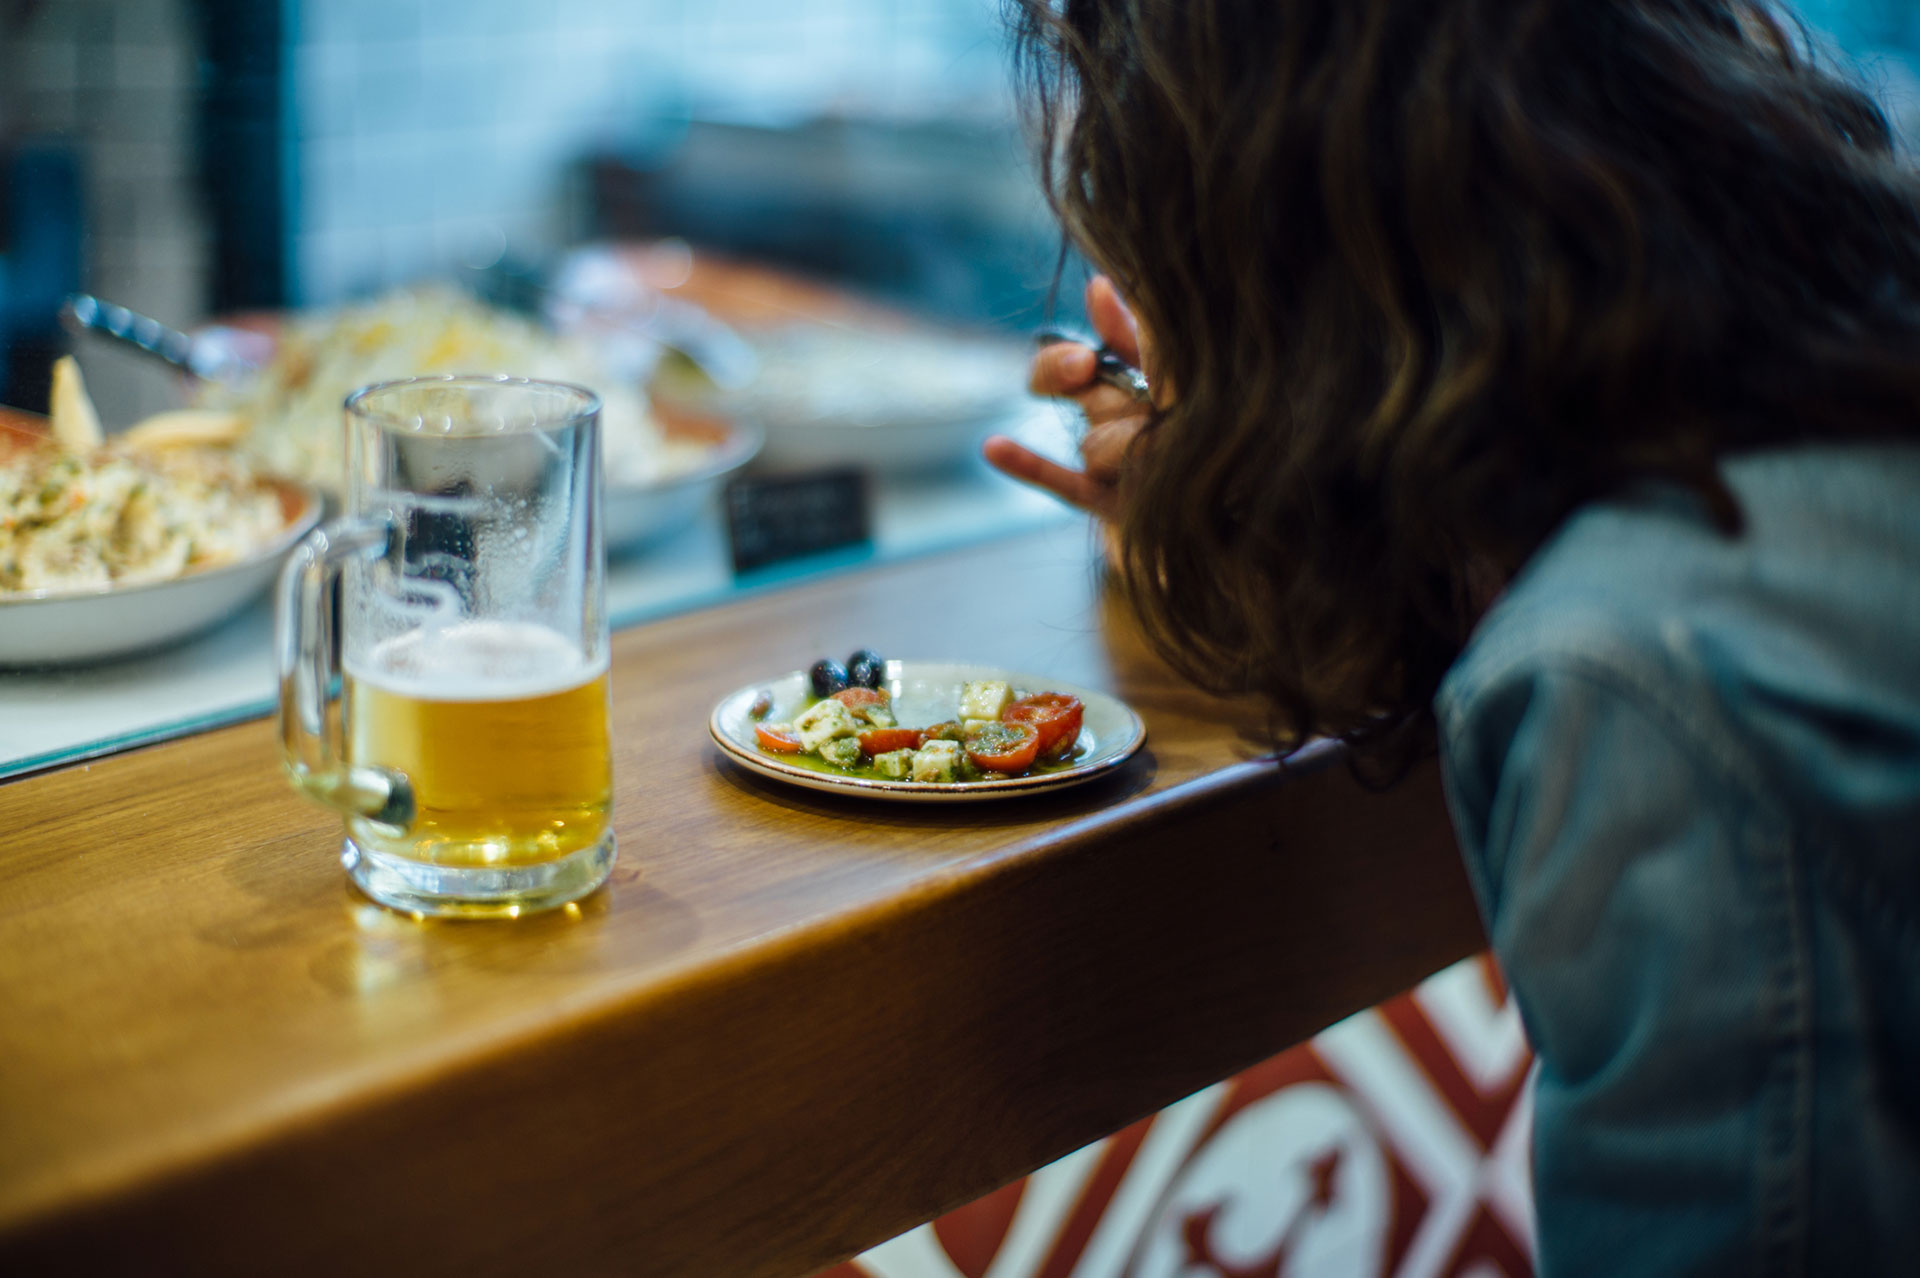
x=783, y=517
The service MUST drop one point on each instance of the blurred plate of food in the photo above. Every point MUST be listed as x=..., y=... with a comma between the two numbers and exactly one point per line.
x=836, y=379
x=112, y=547
x=661, y=467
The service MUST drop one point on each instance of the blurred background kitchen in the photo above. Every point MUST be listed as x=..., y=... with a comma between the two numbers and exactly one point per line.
x=189, y=158
x=194, y=157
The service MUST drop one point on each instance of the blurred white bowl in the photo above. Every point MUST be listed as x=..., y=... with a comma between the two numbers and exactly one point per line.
x=896, y=447
x=636, y=514
x=907, y=398
x=68, y=628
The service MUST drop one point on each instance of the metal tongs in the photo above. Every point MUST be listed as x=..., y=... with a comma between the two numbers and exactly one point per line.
x=214, y=354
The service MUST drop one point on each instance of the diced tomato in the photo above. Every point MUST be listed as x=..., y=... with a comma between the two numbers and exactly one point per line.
x=1003, y=746
x=887, y=740
x=1055, y=715
x=948, y=731
x=777, y=737
x=854, y=698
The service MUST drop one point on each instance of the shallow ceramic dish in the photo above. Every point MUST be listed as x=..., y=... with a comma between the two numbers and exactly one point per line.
x=904, y=445
x=636, y=514
x=926, y=692
x=903, y=397
x=69, y=627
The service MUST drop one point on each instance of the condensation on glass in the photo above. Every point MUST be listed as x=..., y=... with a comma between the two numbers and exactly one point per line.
x=469, y=752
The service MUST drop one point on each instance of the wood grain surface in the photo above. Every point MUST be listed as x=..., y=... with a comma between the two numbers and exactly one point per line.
x=792, y=1026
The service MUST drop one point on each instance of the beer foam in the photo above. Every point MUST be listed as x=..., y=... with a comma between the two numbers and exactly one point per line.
x=477, y=661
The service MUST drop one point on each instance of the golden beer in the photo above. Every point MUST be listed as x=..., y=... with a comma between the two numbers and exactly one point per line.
x=501, y=731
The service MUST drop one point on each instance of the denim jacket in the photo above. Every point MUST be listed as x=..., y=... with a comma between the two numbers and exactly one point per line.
x=1685, y=771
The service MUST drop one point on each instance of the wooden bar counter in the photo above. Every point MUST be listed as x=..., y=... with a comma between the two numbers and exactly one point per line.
x=792, y=1026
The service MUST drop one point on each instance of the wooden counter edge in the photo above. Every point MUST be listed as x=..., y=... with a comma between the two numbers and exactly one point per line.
x=889, y=1064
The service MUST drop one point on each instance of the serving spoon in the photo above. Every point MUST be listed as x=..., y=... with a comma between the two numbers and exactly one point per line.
x=213, y=354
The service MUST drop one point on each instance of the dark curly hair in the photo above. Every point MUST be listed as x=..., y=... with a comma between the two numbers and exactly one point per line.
x=1425, y=277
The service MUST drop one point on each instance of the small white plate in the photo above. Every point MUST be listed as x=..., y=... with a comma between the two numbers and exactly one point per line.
x=927, y=692
x=57, y=629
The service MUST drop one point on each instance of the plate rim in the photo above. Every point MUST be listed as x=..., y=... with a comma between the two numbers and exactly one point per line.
x=949, y=791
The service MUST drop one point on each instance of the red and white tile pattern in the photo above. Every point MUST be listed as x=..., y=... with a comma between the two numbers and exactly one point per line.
x=1394, y=1144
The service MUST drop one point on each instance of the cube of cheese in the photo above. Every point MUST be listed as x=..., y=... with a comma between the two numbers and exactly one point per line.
x=936, y=761
x=824, y=721
x=843, y=751
x=894, y=765
x=984, y=698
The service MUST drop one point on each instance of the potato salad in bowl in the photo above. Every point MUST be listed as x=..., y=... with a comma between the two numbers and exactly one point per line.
x=111, y=546
x=121, y=516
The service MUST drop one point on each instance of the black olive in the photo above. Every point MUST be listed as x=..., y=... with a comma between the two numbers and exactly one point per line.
x=866, y=668
x=828, y=676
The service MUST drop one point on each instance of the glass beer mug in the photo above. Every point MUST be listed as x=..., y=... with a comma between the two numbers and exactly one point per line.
x=470, y=756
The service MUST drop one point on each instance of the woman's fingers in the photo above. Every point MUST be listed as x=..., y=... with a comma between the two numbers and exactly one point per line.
x=1065, y=371
x=1076, y=488
x=1104, y=447
x=1113, y=321
x=1065, y=368
x=1094, y=488
x=1105, y=404
x=1062, y=369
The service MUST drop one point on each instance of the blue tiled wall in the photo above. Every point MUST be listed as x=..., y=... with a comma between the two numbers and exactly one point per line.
x=425, y=133
x=431, y=132
x=111, y=82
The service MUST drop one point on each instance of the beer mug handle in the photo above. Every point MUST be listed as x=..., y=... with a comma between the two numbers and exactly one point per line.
x=303, y=645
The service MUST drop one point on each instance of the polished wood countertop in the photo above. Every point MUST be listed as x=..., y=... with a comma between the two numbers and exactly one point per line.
x=792, y=1026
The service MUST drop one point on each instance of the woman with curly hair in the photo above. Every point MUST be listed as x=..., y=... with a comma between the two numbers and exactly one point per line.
x=1541, y=379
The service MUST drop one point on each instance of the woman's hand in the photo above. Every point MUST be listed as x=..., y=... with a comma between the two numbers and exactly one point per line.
x=1065, y=370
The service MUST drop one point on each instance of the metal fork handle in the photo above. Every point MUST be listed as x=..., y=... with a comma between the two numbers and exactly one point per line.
x=1108, y=367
